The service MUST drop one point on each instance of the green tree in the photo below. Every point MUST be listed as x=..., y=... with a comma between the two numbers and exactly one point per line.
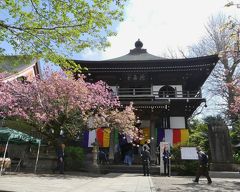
x=199, y=134
x=235, y=133
x=235, y=140
x=54, y=29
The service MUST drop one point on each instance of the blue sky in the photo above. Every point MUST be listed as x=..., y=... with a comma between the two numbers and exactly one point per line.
x=161, y=25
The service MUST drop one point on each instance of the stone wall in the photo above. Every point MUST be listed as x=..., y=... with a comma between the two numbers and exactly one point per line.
x=220, y=146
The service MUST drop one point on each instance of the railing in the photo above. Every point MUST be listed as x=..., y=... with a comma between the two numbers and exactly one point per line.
x=148, y=92
x=134, y=91
x=172, y=94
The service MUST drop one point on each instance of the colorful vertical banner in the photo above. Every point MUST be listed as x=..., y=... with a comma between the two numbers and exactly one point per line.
x=156, y=134
x=116, y=133
x=106, y=137
x=176, y=136
x=172, y=136
x=159, y=135
x=169, y=136
x=85, y=139
x=184, y=135
x=146, y=135
x=100, y=136
x=91, y=137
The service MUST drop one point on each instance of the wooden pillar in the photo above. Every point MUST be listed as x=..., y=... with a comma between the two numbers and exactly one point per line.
x=152, y=135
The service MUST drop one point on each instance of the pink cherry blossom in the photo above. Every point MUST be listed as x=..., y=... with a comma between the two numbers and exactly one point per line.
x=59, y=102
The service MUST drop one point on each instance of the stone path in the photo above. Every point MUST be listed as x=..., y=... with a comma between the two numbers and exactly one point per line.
x=78, y=183
x=113, y=182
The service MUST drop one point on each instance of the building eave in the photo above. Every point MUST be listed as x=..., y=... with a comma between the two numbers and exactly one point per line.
x=22, y=71
x=183, y=61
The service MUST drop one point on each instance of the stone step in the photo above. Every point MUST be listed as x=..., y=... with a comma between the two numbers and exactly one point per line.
x=224, y=174
x=127, y=169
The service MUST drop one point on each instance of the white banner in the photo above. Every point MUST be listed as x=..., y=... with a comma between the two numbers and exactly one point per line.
x=91, y=137
x=189, y=153
x=169, y=136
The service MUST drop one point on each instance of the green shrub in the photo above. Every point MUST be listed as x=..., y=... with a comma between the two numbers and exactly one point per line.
x=185, y=167
x=236, y=157
x=73, y=158
x=182, y=167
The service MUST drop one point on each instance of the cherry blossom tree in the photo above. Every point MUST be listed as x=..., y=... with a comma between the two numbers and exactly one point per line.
x=235, y=106
x=3, y=75
x=60, y=103
x=222, y=37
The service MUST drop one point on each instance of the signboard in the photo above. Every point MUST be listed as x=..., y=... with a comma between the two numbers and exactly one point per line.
x=189, y=153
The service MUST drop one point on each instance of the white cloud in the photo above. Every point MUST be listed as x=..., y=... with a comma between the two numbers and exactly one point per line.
x=162, y=25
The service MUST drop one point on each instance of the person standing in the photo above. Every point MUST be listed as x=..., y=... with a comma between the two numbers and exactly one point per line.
x=129, y=155
x=102, y=157
x=166, y=161
x=147, y=144
x=117, y=154
x=202, y=166
x=157, y=155
x=60, y=158
x=146, y=158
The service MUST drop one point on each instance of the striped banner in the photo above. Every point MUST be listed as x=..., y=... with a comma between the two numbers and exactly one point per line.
x=172, y=136
x=101, y=134
x=176, y=136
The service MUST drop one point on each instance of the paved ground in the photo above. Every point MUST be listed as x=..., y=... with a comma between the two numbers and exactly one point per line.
x=185, y=184
x=75, y=183
x=114, y=182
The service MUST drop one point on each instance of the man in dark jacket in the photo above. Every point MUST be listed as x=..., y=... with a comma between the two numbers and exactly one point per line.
x=147, y=144
x=60, y=158
x=146, y=158
x=202, y=166
x=166, y=161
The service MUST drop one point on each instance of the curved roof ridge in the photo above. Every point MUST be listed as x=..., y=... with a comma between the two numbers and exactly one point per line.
x=137, y=54
x=207, y=58
x=136, y=57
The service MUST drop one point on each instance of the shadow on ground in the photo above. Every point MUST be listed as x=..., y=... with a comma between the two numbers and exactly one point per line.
x=202, y=186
